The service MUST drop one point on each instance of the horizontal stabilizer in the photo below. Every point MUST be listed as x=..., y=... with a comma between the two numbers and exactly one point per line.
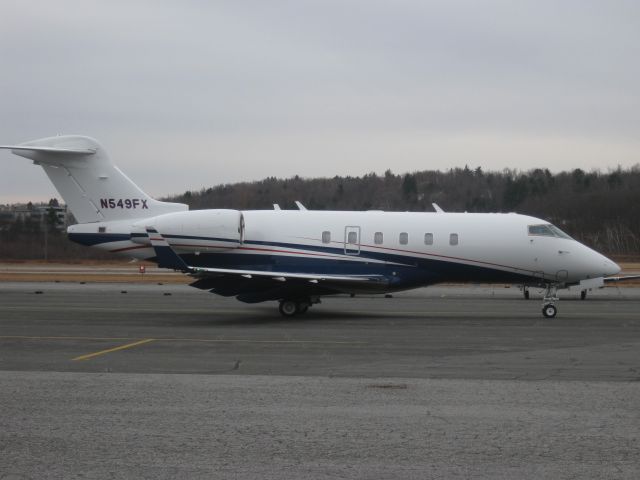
x=55, y=150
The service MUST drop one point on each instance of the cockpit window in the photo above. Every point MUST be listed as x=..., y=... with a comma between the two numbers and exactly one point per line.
x=547, y=230
x=559, y=233
x=541, y=230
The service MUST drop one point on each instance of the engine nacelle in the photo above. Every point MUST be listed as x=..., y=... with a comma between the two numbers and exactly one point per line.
x=195, y=230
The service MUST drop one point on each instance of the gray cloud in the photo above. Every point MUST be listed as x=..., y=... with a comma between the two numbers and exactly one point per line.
x=190, y=94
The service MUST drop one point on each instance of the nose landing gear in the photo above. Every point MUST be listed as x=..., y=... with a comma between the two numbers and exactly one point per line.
x=549, y=310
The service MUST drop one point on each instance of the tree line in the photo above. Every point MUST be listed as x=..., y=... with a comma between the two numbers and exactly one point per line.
x=600, y=209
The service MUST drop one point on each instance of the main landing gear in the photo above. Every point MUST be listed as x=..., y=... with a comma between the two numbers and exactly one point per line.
x=291, y=307
x=549, y=310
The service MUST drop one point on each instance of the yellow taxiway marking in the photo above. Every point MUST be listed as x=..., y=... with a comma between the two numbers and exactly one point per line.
x=179, y=339
x=174, y=339
x=114, y=349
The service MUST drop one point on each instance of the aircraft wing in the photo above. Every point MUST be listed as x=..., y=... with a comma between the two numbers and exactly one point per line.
x=168, y=258
x=283, y=276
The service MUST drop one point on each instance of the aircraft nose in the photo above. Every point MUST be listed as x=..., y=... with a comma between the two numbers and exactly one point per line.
x=611, y=268
x=597, y=265
x=604, y=267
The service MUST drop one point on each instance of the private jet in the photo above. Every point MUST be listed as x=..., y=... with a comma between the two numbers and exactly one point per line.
x=295, y=257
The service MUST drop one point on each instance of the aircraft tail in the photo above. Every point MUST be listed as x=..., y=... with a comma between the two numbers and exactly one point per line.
x=94, y=188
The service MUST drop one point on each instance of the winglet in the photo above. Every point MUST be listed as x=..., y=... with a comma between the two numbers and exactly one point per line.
x=167, y=257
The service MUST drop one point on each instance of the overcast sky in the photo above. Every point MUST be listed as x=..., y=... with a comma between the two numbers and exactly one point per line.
x=190, y=94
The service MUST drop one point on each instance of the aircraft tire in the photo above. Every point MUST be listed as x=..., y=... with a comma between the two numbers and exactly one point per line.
x=302, y=307
x=549, y=310
x=526, y=294
x=288, y=308
x=583, y=295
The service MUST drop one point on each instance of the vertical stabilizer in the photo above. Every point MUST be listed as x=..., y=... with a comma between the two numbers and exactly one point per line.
x=93, y=188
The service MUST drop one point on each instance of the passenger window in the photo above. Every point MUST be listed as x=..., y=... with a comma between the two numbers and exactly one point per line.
x=352, y=237
x=326, y=237
x=428, y=238
x=377, y=238
x=404, y=238
x=453, y=239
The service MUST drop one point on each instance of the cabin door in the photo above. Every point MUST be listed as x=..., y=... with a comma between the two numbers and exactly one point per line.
x=352, y=240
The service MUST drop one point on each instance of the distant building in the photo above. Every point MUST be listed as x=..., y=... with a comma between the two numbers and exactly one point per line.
x=30, y=213
x=6, y=218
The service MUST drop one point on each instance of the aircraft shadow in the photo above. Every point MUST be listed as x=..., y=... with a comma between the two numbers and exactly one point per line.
x=269, y=317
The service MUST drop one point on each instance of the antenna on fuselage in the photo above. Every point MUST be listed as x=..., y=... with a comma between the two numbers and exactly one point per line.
x=276, y=206
x=437, y=208
x=300, y=206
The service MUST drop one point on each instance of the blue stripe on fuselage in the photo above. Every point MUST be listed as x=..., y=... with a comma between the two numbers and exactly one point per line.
x=422, y=272
x=91, y=239
x=412, y=270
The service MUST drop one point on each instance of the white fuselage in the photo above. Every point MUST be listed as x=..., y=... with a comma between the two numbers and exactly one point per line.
x=419, y=248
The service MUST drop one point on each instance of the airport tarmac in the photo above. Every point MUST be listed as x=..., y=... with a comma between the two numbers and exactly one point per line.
x=166, y=381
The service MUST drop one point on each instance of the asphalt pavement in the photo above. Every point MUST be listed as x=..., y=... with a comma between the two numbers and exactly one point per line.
x=165, y=381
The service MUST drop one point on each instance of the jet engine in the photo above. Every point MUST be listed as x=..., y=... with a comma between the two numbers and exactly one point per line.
x=196, y=230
